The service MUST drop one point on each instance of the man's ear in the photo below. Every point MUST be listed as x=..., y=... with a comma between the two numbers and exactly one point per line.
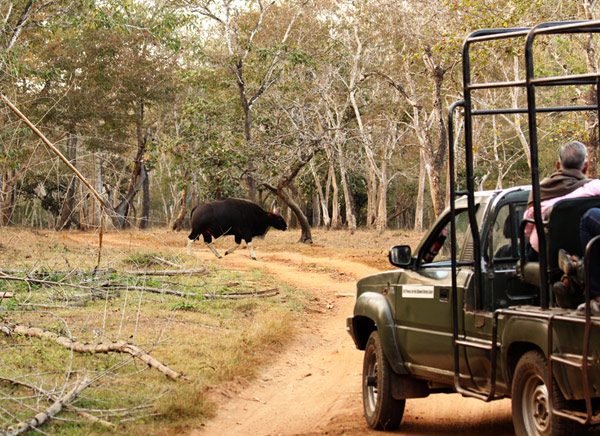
x=558, y=165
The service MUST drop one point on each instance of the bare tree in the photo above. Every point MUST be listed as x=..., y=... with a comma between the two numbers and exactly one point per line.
x=240, y=44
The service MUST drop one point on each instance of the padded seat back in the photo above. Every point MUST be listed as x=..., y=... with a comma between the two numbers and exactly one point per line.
x=563, y=228
x=562, y=231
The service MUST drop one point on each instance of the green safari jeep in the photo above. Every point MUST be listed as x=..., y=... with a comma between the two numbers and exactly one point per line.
x=467, y=312
x=404, y=321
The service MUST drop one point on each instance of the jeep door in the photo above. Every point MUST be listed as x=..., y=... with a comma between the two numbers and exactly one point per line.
x=423, y=305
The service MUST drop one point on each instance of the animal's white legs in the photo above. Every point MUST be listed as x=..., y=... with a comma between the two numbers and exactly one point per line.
x=251, y=250
x=214, y=250
x=189, y=246
x=232, y=249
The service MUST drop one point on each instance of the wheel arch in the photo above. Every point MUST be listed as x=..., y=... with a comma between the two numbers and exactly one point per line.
x=515, y=351
x=527, y=334
x=372, y=311
x=363, y=327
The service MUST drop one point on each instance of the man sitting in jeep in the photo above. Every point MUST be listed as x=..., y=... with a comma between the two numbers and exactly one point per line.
x=568, y=182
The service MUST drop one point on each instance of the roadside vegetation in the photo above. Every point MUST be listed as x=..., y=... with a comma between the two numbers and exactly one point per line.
x=221, y=331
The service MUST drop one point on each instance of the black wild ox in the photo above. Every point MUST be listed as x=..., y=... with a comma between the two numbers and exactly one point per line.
x=232, y=216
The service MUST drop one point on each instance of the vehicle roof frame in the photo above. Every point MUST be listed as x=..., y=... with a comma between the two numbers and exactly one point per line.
x=530, y=83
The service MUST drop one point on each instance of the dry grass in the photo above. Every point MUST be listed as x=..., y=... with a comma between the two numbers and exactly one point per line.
x=214, y=342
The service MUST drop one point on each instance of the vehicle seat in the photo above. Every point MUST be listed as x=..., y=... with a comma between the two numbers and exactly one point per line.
x=530, y=273
x=562, y=231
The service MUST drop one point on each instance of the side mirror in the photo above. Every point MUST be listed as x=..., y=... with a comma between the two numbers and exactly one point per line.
x=400, y=255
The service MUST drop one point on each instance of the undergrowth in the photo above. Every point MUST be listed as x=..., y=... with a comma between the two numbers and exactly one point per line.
x=211, y=340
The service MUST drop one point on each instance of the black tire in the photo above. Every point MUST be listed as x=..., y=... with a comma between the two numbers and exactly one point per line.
x=382, y=411
x=530, y=406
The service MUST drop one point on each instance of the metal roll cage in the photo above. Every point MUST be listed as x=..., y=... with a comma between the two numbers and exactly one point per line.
x=530, y=83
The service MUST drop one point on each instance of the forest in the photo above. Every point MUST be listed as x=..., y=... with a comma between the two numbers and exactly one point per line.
x=335, y=111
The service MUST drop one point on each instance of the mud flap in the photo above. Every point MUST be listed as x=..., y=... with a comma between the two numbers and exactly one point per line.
x=405, y=386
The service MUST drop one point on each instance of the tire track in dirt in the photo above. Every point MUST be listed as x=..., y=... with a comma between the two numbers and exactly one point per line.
x=313, y=386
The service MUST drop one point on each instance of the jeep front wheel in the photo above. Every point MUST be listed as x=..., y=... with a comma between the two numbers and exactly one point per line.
x=382, y=411
x=531, y=410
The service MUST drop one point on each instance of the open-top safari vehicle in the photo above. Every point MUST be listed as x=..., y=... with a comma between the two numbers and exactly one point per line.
x=467, y=313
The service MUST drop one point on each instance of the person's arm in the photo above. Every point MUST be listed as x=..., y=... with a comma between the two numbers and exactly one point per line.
x=527, y=216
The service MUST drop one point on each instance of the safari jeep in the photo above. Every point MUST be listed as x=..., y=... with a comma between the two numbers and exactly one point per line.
x=466, y=312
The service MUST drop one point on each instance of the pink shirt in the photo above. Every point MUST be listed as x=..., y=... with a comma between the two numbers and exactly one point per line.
x=590, y=189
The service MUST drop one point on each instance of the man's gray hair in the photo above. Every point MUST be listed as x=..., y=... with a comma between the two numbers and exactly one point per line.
x=572, y=155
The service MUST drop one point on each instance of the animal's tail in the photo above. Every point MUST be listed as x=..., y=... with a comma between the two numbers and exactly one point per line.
x=192, y=212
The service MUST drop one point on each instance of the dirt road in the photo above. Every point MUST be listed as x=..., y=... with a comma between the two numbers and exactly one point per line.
x=313, y=387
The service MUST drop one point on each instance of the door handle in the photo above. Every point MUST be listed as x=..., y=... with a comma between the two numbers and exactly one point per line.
x=444, y=294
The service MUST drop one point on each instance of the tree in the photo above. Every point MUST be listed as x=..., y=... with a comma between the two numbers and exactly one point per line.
x=255, y=44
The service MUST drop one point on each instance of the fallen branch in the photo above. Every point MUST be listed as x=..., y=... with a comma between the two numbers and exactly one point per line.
x=53, y=397
x=151, y=290
x=166, y=272
x=105, y=347
x=53, y=306
x=6, y=295
x=6, y=273
x=40, y=281
x=228, y=296
x=166, y=262
x=93, y=418
x=240, y=295
x=55, y=408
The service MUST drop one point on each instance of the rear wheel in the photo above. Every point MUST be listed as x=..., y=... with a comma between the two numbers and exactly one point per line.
x=382, y=411
x=531, y=403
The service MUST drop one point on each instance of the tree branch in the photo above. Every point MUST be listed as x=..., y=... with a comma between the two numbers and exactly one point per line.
x=105, y=347
x=55, y=408
x=53, y=397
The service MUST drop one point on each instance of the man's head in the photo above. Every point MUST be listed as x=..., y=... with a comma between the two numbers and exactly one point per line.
x=573, y=156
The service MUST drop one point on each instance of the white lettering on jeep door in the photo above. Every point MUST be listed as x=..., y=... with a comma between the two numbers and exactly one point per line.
x=417, y=291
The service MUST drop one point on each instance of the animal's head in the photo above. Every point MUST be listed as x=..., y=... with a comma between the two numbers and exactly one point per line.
x=276, y=221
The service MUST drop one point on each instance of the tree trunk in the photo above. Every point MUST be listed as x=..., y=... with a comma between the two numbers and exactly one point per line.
x=348, y=198
x=381, y=221
x=335, y=200
x=122, y=210
x=591, y=122
x=321, y=198
x=436, y=174
x=145, y=218
x=137, y=174
x=419, y=209
x=316, y=210
x=68, y=207
x=250, y=168
x=84, y=208
x=306, y=235
x=177, y=223
x=8, y=196
x=99, y=185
